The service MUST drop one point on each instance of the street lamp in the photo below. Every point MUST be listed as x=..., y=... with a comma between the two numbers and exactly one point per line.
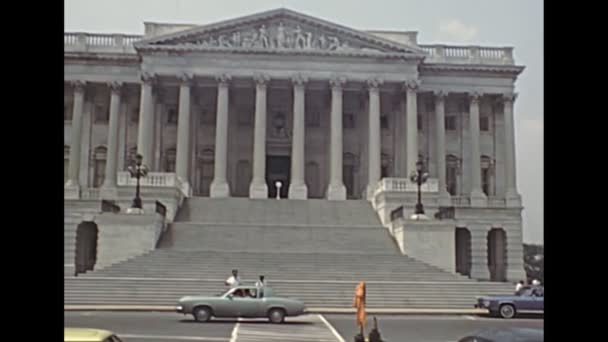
x=419, y=177
x=138, y=170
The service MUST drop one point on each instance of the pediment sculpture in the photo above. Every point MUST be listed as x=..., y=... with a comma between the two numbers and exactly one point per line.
x=280, y=36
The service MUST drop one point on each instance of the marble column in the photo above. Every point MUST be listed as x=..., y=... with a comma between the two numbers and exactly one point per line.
x=444, y=195
x=72, y=186
x=374, y=143
x=479, y=253
x=512, y=196
x=258, y=187
x=297, y=186
x=109, y=189
x=478, y=198
x=412, y=125
x=219, y=186
x=184, y=120
x=145, y=133
x=336, y=189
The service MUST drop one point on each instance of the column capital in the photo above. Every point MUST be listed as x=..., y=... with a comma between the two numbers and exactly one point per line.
x=509, y=98
x=261, y=79
x=337, y=82
x=147, y=77
x=440, y=94
x=186, y=79
x=374, y=83
x=475, y=96
x=411, y=85
x=299, y=79
x=115, y=86
x=78, y=85
x=223, y=79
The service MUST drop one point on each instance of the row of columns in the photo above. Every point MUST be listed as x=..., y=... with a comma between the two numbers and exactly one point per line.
x=298, y=190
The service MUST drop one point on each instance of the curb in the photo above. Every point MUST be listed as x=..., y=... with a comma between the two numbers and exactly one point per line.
x=312, y=310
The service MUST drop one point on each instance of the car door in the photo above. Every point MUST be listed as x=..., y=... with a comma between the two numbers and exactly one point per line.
x=538, y=303
x=226, y=306
x=524, y=301
x=249, y=305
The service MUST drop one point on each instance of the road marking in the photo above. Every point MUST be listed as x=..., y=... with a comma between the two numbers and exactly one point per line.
x=235, y=330
x=331, y=328
x=175, y=338
x=472, y=318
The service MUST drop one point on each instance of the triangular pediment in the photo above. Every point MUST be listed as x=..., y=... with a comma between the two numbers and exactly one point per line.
x=279, y=31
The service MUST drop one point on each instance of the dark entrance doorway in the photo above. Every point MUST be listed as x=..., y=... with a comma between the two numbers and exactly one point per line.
x=463, y=251
x=497, y=254
x=86, y=247
x=278, y=169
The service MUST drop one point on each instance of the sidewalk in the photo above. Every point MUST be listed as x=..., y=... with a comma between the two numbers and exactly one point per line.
x=372, y=311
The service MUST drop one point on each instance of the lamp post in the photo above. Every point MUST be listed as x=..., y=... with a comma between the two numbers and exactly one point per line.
x=419, y=177
x=138, y=170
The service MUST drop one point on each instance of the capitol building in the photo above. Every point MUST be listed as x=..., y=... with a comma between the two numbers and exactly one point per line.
x=281, y=104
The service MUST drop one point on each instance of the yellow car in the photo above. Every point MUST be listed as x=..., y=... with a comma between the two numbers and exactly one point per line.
x=89, y=335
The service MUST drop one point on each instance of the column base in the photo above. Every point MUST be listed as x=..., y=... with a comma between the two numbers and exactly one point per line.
x=513, y=199
x=478, y=198
x=480, y=272
x=71, y=190
x=258, y=190
x=219, y=189
x=445, y=199
x=336, y=192
x=108, y=192
x=298, y=191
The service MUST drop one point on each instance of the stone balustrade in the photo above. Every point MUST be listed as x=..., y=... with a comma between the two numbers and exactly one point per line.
x=99, y=42
x=468, y=54
x=405, y=185
x=153, y=179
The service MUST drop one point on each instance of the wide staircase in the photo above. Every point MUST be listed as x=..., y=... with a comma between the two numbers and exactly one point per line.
x=314, y=250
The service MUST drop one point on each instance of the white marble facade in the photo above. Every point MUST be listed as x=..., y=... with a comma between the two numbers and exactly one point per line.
x=233, y=106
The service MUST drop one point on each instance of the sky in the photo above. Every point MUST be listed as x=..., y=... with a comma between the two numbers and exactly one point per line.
x=516, y=23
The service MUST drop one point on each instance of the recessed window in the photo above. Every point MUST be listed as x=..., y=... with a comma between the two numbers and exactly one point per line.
x=245, y=115
x=207, y=116
x=348, y=120
x=172, y=116
x=313, y=118
x=419, y=123
x=450, y=123
x=384, y=121
x=484, y=124
x=135, y=115
x=67, y=113
x=102, y=114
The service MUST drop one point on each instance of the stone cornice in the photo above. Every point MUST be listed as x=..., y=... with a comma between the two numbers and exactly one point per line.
x=101, y=56
x=240, y=50
x=506, y=69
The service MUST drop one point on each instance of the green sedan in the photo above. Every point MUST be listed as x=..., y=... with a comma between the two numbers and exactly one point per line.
x=241, y=301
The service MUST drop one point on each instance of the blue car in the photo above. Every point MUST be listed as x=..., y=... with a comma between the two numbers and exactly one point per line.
x=529, y=299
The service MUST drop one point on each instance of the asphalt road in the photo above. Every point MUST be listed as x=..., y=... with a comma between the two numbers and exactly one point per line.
x=165, y=327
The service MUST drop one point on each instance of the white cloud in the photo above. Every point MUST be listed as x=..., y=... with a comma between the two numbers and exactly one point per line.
x=456, y=31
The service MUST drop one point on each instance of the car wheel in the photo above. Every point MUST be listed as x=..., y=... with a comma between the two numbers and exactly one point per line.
x=276, y=315
x=202, y=314
x=507, y=311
